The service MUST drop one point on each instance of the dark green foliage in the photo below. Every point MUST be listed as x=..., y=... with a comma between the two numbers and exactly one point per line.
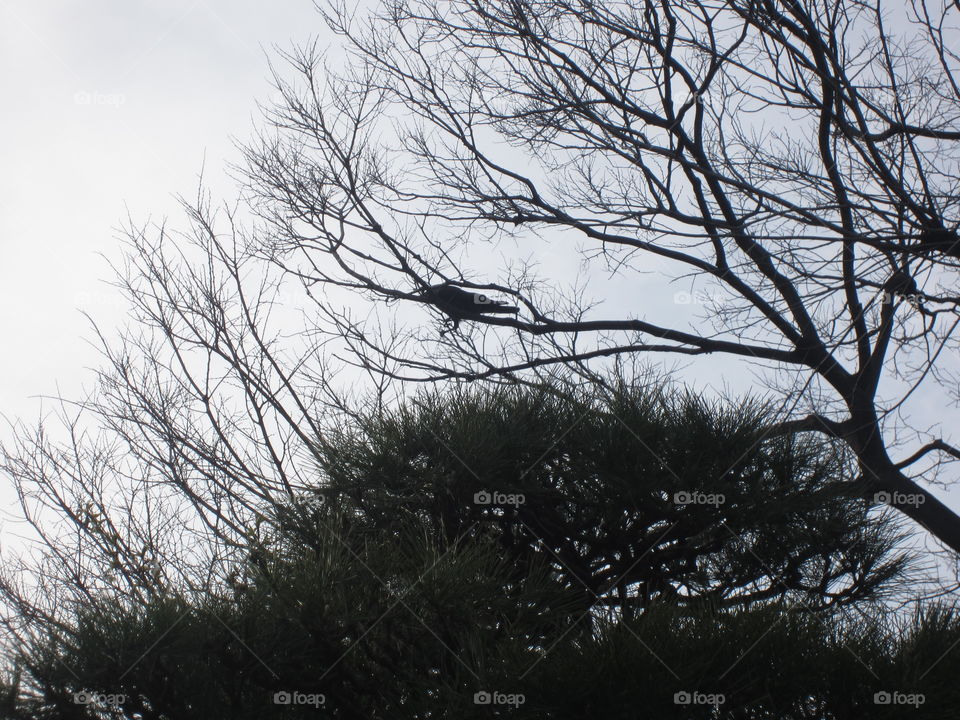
x=600, y=475
x=410, y=632
x=392, y=594
x=381, y=628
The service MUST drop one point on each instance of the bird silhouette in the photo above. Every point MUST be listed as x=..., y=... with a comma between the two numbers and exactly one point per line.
x=940, y=240
x=902, y=285
x=460, y=304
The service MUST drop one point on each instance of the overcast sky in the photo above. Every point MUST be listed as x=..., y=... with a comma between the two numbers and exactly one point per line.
x=109, y=106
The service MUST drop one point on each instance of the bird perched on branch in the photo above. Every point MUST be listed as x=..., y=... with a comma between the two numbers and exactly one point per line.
x=901, y=285
x=460, y=304
x=940, y=240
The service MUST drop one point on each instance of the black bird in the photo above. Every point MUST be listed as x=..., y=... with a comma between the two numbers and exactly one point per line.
x=901, y=284
x=940, y=240
x=462, y=304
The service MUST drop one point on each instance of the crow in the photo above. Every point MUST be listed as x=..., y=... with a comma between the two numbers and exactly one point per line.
x=460, y=304
x=901, y=285
x=940, y=240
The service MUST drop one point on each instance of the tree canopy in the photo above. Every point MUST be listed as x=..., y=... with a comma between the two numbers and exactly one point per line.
x=457, y=558
x=792, y=163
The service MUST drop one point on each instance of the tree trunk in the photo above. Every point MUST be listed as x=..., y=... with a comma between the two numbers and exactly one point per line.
x=886, y=483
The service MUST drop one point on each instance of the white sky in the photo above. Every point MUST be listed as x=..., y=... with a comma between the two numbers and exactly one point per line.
x=110, y=104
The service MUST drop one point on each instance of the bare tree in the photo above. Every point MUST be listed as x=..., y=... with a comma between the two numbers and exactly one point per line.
x=199, y=427
x=796, y=160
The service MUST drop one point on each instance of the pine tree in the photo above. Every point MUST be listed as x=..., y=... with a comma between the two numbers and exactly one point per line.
x=582, y=584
